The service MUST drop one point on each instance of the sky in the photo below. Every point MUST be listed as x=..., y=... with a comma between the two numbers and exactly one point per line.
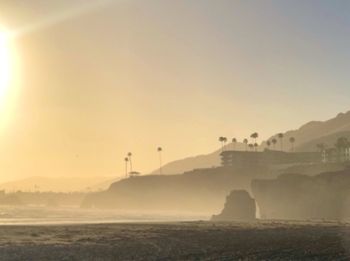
x=96, y=79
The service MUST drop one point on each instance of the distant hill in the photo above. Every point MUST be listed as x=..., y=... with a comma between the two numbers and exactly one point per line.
x=60, y=184
x=196, y=162
x=328, y=141
x=307, y=136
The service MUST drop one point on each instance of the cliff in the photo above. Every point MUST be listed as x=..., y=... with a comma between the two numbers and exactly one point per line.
x=202, y=190
x=301, y=197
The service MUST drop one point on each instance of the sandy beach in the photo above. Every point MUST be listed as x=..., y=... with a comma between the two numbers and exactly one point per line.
x=177, y=241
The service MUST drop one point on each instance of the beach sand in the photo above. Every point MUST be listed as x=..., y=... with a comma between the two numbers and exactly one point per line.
x=177, y=241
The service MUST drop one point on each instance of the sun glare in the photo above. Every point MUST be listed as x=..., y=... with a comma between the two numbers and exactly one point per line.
x=5, y=62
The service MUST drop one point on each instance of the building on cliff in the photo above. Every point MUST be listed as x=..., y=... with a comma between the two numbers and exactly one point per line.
x=268, y=157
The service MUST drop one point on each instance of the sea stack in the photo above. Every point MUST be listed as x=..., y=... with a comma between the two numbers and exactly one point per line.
x=239, y=206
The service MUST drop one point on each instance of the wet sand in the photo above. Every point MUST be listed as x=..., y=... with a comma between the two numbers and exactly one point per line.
x=177, y=241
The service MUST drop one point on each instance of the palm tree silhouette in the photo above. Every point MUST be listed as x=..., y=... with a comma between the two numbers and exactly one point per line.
x=268, y=143
x=256, y=146
x=221, y=139
x=274, y=141
x=225, y=140
x=129, y=156
x=251, y=146
x=234, y=141
x=341, y=145
x=280, y=136
x=159, y=149
x=254, y=136
x=292, y=140
x=245, y=141
x=126, y=159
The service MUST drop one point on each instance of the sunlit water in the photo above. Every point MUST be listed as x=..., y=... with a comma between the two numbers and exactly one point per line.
x=36, y=215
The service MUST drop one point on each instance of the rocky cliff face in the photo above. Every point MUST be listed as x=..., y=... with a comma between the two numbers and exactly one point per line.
x=202, y=190
x=239, y=206
x=295, y=196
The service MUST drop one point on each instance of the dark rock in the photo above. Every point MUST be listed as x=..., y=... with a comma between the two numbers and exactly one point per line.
x=239, y=206
x=201, y=191
x=299, y=197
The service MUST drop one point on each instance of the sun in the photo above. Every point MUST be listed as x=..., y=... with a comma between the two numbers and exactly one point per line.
x=5, y=62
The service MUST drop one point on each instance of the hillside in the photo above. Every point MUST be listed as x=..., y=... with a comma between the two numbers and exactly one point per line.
x=61, y=184
x=307, y=136
x=182, y=165
x=301, y=197
x=328, y=141
x=197, y=162
x=201, y=191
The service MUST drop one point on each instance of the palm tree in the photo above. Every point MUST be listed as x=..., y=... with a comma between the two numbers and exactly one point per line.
x=126, y=159
x=274, y=141
x=292, y=140
x=251, y=146
x=234, y=141
x=268, y=143
x=256, y=146
x=225, y=140
x=221, y=139
x=254, y=136
x=245, y=141
x=129, y=156
x=280, y=136
x=341, y=145
x=159, y=149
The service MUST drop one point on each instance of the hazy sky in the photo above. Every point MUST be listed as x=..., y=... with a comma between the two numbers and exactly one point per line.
x=134, y=75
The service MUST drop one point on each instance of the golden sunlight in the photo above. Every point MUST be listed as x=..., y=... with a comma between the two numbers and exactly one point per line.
x=5, y=62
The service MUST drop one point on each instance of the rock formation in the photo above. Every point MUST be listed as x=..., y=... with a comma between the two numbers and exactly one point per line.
x=199, y=191
x=300, y=197
x=239, y=206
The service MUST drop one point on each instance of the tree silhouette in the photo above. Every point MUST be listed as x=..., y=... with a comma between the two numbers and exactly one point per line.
x=251, y=146
x=254, y=136
x=225, y=140
x=129, y=156
x=342, y=143
x=159, y=149
x=268, y=143
x=245, y=141
x=274, y=141
x=256, y=146
x=126, y=159
x=234, y=141
x=292, y=141
x=221, y=139
x=280, y=136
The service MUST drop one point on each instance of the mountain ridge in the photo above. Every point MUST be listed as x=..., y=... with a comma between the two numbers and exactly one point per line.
x=307, y=136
